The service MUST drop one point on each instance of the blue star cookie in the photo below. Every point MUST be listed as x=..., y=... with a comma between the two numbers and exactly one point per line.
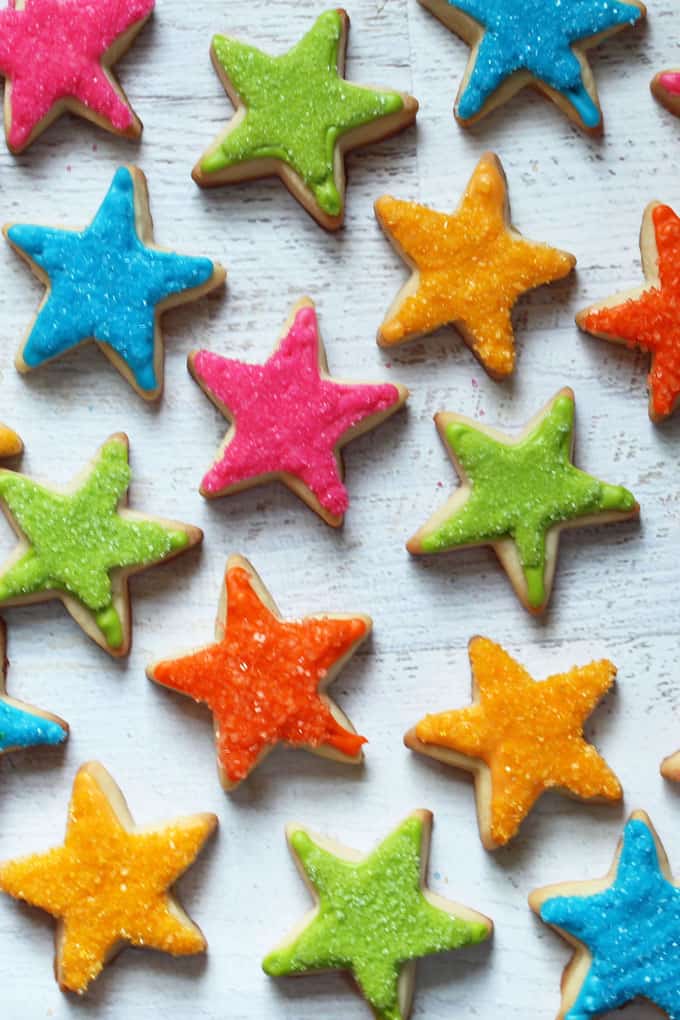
x=109, y=283
x=626, y=928
x=22, y=725
x=538, y=42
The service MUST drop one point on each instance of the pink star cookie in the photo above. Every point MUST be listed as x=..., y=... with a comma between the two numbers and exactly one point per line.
x=289, y=419
x=57, y=55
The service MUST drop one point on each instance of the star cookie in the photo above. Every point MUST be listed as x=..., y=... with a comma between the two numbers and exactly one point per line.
x=109, y=283
x=666, y=88
x=516, y=495
x=265, y=678
x=296, y=117
x=57, y=56
x=21, y=725
x=109, y=884
x=624, y=927
x=542, y=43
x=374, y=915
x=81, y=544
x=289, y=417
x=648, y=317
x=468, y=268
x=520, y=738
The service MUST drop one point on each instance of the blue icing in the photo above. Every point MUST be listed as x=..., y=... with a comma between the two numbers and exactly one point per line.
x=105, y=284
x=632, y=930
x=536, y=36
x=22, y=728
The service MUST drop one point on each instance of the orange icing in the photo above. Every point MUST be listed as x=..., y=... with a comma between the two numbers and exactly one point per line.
x=10, y=442
x=470, y=268
x=529, y=734
x=261, y=680
x=651, y=321
x=108, y=884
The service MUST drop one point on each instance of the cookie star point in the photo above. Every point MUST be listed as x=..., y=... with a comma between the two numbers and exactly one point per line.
x=647, y=318
x=516, y=495
x=11, y=443
x=108, y=884
x=469, y=268
x=374, y=915
x=624, y=927
x=520, y=737
x=109, y=283
x=289, y=417
x=296, y=117
x=57, y=55
x=265, y=678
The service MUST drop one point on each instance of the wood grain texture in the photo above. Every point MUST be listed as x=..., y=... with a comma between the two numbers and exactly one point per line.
x=616, y=589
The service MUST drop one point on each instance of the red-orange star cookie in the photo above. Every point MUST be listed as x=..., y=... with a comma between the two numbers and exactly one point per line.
x=264, y=678
x=649, y=317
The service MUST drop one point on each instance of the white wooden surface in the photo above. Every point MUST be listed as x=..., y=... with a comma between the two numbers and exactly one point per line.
x=616, y=593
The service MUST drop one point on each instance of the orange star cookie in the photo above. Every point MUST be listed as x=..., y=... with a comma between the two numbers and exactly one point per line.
x=649, y=317
x=264, y=678
x=108, y=883
x=520, y=738
x=469, y=268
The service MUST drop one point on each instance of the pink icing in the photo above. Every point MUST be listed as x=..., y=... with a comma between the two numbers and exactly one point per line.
x=671, y=81
x=287, y=417
x=52, y=50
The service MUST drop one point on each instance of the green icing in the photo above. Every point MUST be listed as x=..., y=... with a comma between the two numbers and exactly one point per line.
x=519, y=491
x=297, y=107
x=76, y=539
x=372, y=917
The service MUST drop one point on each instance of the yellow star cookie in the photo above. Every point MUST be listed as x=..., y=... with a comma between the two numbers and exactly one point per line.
x=469, y=268
x=108, y=884
x=520, y=738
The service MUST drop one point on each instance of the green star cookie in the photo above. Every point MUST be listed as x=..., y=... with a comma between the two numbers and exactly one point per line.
x=296, y=116
x=516, y=495
x=374, y=917
x=82, y=544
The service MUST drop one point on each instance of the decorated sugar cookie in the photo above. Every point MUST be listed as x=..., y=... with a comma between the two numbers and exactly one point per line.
x=81, y=544
x=468, y=268
x=520, y=738
x=108, y=885
x=57, y=56
x=542, y=43
x=624, y=929
x=516, y=495
x=289, y=417
x=648, y=317
x=374, y=915
x=296, y=117
x=109, y=283
x=265, y=678
x=666, y=88
x=21, y=725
